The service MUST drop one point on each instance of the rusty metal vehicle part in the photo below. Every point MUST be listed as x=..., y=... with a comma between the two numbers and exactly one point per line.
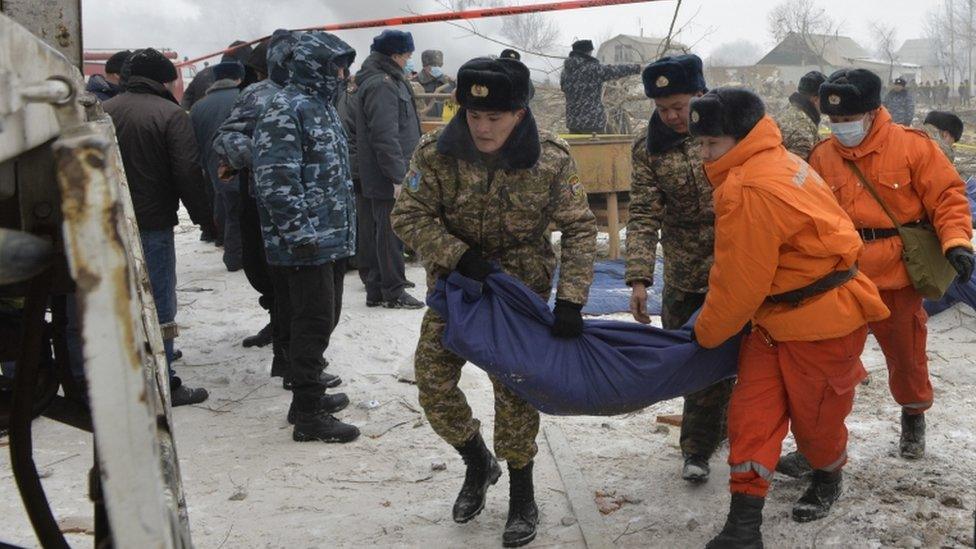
x=62, y=184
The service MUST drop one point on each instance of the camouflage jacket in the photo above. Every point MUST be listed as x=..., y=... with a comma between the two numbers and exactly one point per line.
x=302, y=180
x=669, y=193
x=453, y=200
x=799, y=123
x=582, y=81
x=901, y=105
x=232, y=143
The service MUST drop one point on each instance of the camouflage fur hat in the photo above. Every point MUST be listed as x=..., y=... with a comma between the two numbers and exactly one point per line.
x=726, y=111
x=673, y=75
x=850, y=91
x=945, y=121
x=487, y=84
x=810, y=82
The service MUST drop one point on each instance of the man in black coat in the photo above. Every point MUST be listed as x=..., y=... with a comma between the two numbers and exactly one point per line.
x=107, y=86
x=162, y=166
x=387, y=131
x=198, y=87
x=207, y=116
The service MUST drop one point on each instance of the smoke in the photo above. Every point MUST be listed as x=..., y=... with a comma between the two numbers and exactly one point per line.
x=194, y=28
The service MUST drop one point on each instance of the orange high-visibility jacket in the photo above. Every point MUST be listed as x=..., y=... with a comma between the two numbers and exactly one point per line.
x=912, y=176
x=778, y=228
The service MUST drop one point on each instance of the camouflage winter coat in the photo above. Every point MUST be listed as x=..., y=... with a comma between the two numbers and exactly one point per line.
x=233, y=142
x=901, y=105
x=582, y=81
x=453, y=200
x=301, y=163
x=799, y=123
x=669, y=193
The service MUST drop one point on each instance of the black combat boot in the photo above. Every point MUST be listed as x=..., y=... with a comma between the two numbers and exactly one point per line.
x=823, y=491
x=329, y=404
x=912, y=445
x=482, y=471
x=313, y=423
x=695, y=469
x=794, y=465
x=523, y=514
x=260, y=339
x=742, y=527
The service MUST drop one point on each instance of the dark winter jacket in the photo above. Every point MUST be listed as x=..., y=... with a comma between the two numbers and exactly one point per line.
x=233, y=142
x=901, y=105
x=387, y=126
x=102, y=88
x=207, y=116
x=159, y=153
x=198, y=88
x=301, y=164
x=582, y=81
x=348, y=107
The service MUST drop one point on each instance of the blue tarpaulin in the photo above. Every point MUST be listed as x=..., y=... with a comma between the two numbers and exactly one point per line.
x=615, y=367
x=609, y=293
x=971, y=193
x=956, y=293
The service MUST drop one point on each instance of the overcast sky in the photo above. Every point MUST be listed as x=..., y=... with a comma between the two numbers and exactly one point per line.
x=194, y=27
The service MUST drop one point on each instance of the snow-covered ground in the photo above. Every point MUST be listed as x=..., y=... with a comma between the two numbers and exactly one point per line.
x=248, y=485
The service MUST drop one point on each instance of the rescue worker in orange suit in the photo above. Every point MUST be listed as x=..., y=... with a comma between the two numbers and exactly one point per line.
x=918, y=182
x=786, y=261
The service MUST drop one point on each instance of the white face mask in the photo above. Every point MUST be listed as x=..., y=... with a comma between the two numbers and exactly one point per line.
x=850, y=134
x=436, y=72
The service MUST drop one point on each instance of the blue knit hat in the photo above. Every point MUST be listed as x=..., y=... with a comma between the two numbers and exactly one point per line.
x=392, y=42
x=228, y=70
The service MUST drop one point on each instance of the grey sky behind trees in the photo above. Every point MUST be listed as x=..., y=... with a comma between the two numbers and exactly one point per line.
x=194, y=27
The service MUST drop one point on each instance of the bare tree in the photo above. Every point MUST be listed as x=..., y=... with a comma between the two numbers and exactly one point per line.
x=807, y=20
x=531, y=32
x=951, y=28
x=886, y=44
x=737, y=53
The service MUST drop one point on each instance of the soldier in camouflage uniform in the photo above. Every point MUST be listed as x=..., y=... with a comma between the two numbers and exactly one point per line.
x=304, y=189
x=485, y=189
x=582, y=81
x=800, y=121
x=670, y=193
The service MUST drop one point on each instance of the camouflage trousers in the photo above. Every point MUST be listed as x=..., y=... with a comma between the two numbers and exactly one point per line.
x=438, y=372
x=705, y=414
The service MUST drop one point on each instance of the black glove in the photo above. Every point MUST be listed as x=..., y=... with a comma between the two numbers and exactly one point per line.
x=305, y=251
x=569, y=319
x=961, y=259
x=473, y=266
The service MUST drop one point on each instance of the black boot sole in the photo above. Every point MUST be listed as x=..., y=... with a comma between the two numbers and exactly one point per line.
x=251, y=341
x=492, y=480
x=810, y=515
x=519, y=542
x=299, y=437
x=291, y=417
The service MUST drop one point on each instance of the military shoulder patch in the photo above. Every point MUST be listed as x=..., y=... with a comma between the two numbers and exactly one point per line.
x=413, y=180
x=578, y=190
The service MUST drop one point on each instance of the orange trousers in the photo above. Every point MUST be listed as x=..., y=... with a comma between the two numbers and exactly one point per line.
x=902, y=339
x=806, y=386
